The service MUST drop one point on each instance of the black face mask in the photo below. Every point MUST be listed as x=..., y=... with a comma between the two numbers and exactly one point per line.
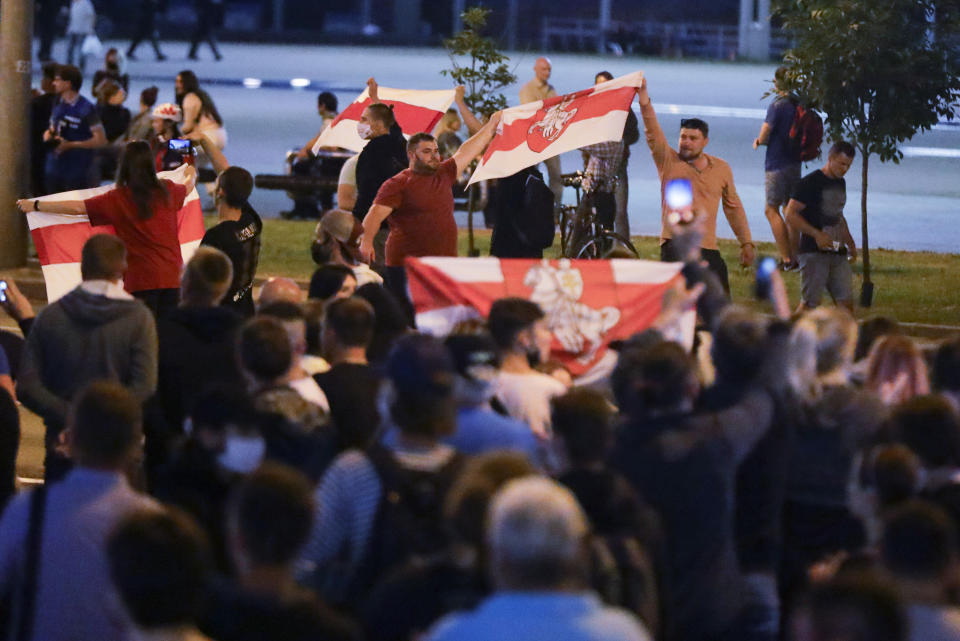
x=113, y=66
x=533, y=355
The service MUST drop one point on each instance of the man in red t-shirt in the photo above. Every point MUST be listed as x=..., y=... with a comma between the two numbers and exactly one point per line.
x=417, y=204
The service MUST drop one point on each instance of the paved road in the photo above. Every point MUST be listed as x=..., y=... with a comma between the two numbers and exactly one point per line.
x=913, y=205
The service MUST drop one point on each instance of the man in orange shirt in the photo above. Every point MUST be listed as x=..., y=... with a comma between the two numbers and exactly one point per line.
x=711, y=181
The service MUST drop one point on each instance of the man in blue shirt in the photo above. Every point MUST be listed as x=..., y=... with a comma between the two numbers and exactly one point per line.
x=782, y=165
x=75, y=132
x=536, y=536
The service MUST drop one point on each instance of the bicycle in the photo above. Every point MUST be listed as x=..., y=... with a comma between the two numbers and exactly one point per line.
x=582, y=234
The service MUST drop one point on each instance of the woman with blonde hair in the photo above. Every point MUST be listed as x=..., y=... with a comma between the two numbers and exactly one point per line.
x=896, y=371
x=836, y=424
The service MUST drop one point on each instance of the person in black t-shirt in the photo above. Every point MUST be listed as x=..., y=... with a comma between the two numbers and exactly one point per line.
x=384, y=156
x=238, y=232
x=351, y=385
x=826, y=246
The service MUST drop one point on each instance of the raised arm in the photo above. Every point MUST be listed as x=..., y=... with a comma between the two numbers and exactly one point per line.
x=475, y=145
x=217, y=159
x=472, y=122
x=651, y=127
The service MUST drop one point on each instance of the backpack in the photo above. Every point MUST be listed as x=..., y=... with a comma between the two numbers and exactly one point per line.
x=409, y=518
x=534, y=222
x=806, y=133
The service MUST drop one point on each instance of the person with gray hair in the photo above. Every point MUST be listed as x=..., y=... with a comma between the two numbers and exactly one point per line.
x=537, y=544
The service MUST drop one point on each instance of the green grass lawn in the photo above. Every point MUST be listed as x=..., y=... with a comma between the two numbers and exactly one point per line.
x=918, y=287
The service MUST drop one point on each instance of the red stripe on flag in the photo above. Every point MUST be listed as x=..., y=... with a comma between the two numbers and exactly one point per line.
x=63, y=243
x=190, y=222
x=589, y=105
x=580, y=298
x=411, y=118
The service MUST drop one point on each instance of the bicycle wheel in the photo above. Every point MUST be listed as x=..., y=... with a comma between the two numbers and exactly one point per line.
x=607, y=244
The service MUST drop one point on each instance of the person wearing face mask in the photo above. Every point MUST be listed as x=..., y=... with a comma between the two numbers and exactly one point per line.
x=336, y=241
x=518, y=327
x=113, y=69
x=237, y=234
x=297, y=432
x=221, y=446
x=384, y=156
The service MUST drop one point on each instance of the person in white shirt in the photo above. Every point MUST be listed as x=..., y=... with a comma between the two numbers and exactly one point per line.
x=519, y=328
x=80, y=24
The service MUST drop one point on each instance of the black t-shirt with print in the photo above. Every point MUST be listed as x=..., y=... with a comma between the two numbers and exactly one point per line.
x=240, y=240
x=824, y=199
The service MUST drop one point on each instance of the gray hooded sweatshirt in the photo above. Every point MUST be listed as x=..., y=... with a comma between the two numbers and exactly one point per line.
x=81, y=338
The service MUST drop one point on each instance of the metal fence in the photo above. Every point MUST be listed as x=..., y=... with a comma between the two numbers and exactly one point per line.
x=677, y=39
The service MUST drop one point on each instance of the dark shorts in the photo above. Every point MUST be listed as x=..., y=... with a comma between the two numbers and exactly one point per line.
x=821, y=271
x=780, y=183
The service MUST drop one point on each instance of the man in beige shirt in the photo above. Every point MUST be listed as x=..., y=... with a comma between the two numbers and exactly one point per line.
x=711, y=181
x=540, y=89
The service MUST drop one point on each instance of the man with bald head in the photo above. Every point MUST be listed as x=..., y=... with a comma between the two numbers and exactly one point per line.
x=279, y=289
x=539, y=88
x=96, y=332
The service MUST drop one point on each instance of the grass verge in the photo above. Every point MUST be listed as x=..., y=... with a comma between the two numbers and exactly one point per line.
x=918, y=287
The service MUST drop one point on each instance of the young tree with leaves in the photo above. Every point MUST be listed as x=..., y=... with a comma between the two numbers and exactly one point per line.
x=880, y=71
x=483, y=74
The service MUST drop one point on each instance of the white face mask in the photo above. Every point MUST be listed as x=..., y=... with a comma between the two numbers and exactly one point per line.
x=242, y=454
x=364, y=130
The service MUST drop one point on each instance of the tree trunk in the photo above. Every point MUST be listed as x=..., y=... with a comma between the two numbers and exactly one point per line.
x=866, y=295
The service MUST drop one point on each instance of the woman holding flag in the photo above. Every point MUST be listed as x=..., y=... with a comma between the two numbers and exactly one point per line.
x=142, y=208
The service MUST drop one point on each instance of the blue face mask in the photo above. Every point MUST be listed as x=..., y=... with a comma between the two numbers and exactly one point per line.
x=242, y=454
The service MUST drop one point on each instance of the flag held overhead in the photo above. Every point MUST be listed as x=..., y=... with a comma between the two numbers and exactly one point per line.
x=535, y=131
x=415, y=110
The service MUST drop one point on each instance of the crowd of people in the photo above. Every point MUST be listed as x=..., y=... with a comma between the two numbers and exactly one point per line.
x=307, y=465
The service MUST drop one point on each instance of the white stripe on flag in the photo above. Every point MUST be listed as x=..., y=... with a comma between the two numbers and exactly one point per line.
x=60, y=278
x=474, y=270
x=441, y=321
x=627, y=271
x=577, y=135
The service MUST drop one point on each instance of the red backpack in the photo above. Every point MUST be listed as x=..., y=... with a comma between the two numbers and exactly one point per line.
x=806, y=133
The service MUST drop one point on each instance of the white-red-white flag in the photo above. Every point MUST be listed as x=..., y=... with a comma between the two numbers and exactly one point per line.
x=415, y=110
x=59, y=238
x=588, y=303
x=535, y=131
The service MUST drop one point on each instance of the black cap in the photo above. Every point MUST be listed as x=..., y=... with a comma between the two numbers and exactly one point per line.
x=472, y=350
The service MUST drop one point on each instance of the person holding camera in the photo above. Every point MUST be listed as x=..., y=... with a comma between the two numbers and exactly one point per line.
x=170, y=148
x=142, y=208
x=75, y=132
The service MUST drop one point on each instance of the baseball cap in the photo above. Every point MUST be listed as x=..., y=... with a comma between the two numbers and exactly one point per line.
x=475, y=356
x=168, y=111
x=342, y=226
x=419, y=365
